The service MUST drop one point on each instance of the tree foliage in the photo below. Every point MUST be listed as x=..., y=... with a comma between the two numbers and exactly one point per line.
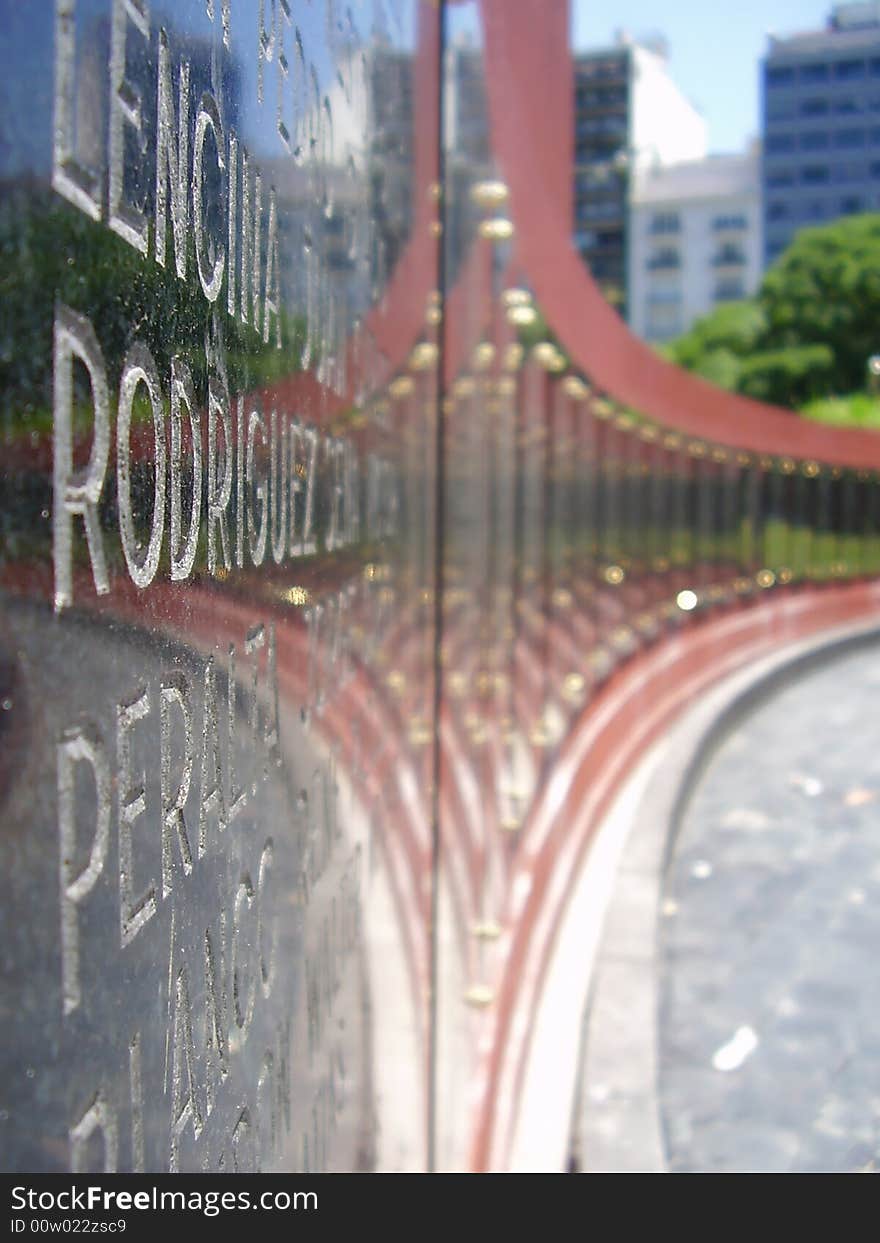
x=811, y=328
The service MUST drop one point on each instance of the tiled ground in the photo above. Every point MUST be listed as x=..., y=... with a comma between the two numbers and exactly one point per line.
x=770, y=939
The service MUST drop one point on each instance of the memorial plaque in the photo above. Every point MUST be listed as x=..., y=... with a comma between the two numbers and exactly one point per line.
x=216, y=645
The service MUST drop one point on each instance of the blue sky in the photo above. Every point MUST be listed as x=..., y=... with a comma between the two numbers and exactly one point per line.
x=714, y=49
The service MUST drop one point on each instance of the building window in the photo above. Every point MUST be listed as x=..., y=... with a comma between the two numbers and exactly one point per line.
x=816, y=140
x=729, y=291
x=875, y=171
x=849, y=172
x=780, y=142
x=777, y=211
x=664, y=297
x=850, y=138
x=848, y=106
x=814, y=73
x=663, y=260
x=780, y=177
x=814, y=210
x=814, y=174
x=666, y=222
x=727, y=255
x=875, y=67
x=814, y=107
x=777, y=75
x=849, y=70
x=852, y=203
x=730, y=222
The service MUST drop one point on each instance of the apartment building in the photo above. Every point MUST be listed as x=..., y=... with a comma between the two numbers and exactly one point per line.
x=695, y=231
x=629, y=114
x=821, y=124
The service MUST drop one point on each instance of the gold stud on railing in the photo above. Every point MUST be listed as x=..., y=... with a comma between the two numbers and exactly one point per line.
x=575, y=387
x=401, y=386
x=479, y=996
x=420, y=732
x=548, y=356
x=521, y=316
x=498, y=229
x=488, y=194
x=573, y=687
x=423, y=356
x=486, y=930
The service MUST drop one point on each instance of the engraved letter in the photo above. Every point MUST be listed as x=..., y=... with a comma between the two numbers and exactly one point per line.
x=215, y=1014
x=219, y=494
x=302, y=541
x=237, y=798
x=256, y=535
x=279, y=480
x=175, y=690
x=207, y=117
x=184, y=1100
x=172, y=160
x=136, y=1086
x=254, y=640
x=211, y=793
x=140, y=367
x=267, y=952
x=250, y=241
x=133, y=914
x=78, y=184
x=272, y=304
x=125, y=108
x=79, y=744
x=243, y=1006
x=73, y=494
x=183, y=559
x=98, y=1117
x=232, y=222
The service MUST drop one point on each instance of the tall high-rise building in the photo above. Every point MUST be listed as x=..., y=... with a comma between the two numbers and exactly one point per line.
x=821, y=124
x=628, y=114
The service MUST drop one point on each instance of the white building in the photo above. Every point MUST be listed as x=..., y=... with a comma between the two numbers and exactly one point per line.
x=629, y=115
x=695, y=241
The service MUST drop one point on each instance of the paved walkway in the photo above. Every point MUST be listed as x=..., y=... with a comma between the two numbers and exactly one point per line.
x=769, y=948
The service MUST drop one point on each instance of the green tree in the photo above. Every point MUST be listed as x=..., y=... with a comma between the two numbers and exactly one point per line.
x=716, y=344
x=810, y=329
x=825, y=291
